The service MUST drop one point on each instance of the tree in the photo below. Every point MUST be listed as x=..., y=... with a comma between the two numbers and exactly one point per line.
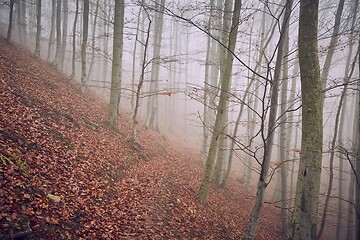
x=308, y=181
x=57, y=59
x=38, y=28
x=269, y=139
x=152, y=107
x=116, y=65
x=141, y=81
x=357, y=197
x=52, y=30
x=339, y=119
x=83, y=46
x=283, y=137
x=64, y=33
x=8, y=36
x=93, y=42
x=21, y=13
x=74, y=40
x=221, y=138
x=332, y=45
x=221, y=111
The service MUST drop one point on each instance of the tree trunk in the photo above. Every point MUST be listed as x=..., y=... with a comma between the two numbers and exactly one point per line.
x=106, y=49
x=337, y=118
x=38, y=28
x=93, y=42
x=116, y=65
x=332, y=154
x=152, y=121
x=246, y=97
x=291, y=126
x=8, y=36
x=357, y=197
x=73, y=72
x=134, y=61
x=64, y=33
x=52, y=30
x=268, y=141
x=332, y=45
x=219, y=162
x=21, y=13
x=57, y=59
x=141, y=81
x=206, y=86
x=283, y=134
x=221, y=111
x=83, y=46
x=308, y=182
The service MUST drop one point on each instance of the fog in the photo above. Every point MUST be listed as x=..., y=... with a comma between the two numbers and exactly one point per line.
x=180, y=108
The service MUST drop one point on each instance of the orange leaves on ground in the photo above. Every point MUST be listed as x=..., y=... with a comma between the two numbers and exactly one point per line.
x=104, y=189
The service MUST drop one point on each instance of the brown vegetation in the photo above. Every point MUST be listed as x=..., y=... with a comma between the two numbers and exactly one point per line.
x=54, y=141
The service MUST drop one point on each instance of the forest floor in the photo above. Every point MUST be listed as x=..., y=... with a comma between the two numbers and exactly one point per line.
x=66, y=175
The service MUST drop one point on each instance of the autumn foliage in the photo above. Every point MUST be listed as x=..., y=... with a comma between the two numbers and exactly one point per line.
x=66, y=175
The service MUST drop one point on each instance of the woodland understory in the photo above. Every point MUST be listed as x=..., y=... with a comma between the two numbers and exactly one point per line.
x=55, y=141
x=179, y=119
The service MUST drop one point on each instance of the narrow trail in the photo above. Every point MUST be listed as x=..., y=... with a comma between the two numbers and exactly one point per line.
x=54, y=141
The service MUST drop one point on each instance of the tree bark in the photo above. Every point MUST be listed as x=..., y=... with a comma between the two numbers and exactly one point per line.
x=57, y=59
x=38, y=28
x=8, y=36
x=332, y=45
x=152, y=107
x=308, y=182
x=64, y=33
x=221, y=111
x=83, y=46
x=141, y=81
x=52, y=30
x=93, y=42
x=357, y=197
x=73, y=72
x=268, y=141
x=116, y=65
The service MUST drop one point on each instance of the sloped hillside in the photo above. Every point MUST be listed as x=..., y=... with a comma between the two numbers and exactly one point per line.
x=66, y=175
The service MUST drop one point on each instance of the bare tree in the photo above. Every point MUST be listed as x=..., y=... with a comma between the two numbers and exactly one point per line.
x=52, y=30
x=141, y=81
x=8, y=36
x=74, y=40
x=57, y=59
x=220, y=115
x=38, y=28
x=64, y=32
x=308, y=183
x=152, y=106
x=116, y=65
x=84, y=46
x=268, y=140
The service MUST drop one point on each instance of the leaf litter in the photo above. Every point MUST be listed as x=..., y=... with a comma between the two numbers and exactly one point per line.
x=66, y=175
